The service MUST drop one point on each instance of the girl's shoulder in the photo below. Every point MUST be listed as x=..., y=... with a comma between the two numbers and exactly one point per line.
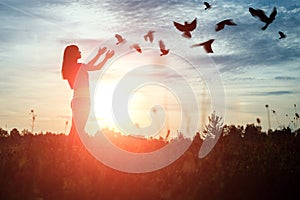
x=79, y=65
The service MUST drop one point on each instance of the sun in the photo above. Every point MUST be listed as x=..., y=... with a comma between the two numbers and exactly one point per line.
x=102, y=106
x=142, y=108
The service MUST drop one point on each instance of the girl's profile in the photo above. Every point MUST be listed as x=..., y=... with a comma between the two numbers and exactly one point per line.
x=78, y=78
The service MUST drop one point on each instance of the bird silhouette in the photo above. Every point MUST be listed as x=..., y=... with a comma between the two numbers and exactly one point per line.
x=282, y=35
x=120, y=39
x=206, y=45
x=136, y=47
x=163, y=49
x=263, y=17
x=221, y=25
x=207, y=5
x=149, y=36
x=186, y=28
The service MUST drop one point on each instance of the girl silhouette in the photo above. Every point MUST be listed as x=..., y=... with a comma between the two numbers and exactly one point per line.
x=78, y=79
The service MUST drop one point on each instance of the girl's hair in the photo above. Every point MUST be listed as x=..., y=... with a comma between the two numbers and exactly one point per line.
x=69, y=69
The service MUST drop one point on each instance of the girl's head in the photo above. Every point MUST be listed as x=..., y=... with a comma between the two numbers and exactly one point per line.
x=71, y=55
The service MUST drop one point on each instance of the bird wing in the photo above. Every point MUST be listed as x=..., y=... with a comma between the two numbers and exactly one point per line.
x=260, y=14
x=273, y=14
x=151, y=37
x=196, y=45
x=136, y=46
x=202, y=44
x=180, y=26
x=119, y=37
x=229, y=22
x=207, y=46
x=191, y=26
x=145, y=37
x=282, y=35
x=206, y=4
x=162, y=45
x=219, y=26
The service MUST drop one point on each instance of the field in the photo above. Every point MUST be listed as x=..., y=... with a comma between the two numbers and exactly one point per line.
x=245, y=164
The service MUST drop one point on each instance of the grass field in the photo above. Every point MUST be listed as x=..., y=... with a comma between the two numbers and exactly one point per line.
x=244, y=164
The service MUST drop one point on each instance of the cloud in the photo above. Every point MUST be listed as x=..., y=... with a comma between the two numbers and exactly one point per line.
x=286, y=78
x=87, y=43
x=279, y=93
x=273, y=93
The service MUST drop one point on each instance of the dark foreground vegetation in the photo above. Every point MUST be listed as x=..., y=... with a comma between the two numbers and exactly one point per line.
x=245, y=164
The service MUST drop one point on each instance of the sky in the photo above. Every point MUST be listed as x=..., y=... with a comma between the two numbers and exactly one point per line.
x=255, y=67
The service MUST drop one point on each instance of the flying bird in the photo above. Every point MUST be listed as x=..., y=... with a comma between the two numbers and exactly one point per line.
x=221, y=25
x=263, y=17
x=186, y=28
x=207, y=5
x=206, y=45
x=282, y=35
x=120, y=39
x=163, y=49
x=136, y=47
x=149, y=36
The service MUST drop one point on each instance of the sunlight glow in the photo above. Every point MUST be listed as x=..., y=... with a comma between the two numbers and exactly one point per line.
x=144, y=98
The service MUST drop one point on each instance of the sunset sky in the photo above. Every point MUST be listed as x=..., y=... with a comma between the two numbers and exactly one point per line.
x=255, y=66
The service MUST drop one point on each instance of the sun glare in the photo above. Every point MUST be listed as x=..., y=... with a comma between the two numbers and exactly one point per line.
x=148, y=95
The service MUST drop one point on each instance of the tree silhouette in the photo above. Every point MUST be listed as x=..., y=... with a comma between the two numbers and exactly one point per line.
x=3, y=133
x=14, y=132
x=25, y=132
x=214, y=127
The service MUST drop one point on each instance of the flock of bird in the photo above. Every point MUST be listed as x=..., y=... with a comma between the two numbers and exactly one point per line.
x=188, y=27
x=148, y=37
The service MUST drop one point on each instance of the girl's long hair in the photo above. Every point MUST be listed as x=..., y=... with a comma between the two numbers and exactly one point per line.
x=69, y=63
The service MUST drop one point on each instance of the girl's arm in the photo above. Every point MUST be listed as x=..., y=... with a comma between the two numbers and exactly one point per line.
x=94, y=60
x=108, y=55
